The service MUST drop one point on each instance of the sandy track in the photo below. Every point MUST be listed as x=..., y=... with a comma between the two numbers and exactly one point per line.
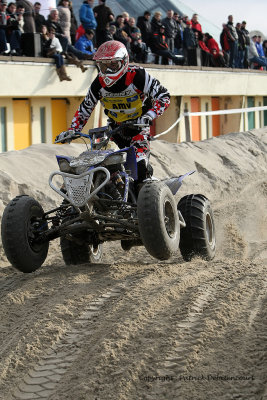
x=189, y=322
x=133, y=328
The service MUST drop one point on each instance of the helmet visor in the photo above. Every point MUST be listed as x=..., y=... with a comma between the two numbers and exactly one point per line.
x=109, y=66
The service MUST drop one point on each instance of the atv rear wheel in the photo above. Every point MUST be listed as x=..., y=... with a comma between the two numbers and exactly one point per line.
x=198, y=237
x=80, y=253
x=158, y=220
x=21, y=224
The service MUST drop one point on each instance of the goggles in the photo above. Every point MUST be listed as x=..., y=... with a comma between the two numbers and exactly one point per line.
x=109, y=66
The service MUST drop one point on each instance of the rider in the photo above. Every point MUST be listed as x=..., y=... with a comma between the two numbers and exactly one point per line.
x=127, y=93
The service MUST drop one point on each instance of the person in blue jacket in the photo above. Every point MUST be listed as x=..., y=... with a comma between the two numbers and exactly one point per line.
x=85, y=43
x=86, y=14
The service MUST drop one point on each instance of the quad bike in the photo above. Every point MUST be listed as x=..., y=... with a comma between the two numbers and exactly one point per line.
x=100, y=204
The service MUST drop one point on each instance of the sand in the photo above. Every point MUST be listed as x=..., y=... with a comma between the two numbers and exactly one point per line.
x=133, y=328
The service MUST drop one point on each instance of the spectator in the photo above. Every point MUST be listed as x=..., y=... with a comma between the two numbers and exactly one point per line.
x=104, y=16
x=126, y=18
x=53, y=22
x=120, y=35
x=241, y=46
x=29, y=22
x=233, y=42
x=70, y=51
x=138, y=47
x=170, y=29
x=224, y=39
x=39, y=19
x=219, y=58
x=64, y=18
x=128, y=28
x=118, y=22
x=87, y=17
x=20, y=17
x=128, y=24
x=189, y=37
x=52, y=48
x=184, y=21
x=143, y=23
x=3, y=24
x=110, y=32
x=247, y=40
x=178, y=38
x=207, y=59
x=156, y=22
x=85, y=43
x=159, y=46
x=195, y=24
x=259, y=46
x=253, y=55
x=13, y=31
x=11, y=10
x=107, y=34
x=264, y=45
x=73, y=24
x=189, y=44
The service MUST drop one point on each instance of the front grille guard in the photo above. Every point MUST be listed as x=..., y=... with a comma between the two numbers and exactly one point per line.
x=78, y=187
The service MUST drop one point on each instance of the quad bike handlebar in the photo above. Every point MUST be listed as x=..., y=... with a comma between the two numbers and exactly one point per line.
x=104, y=132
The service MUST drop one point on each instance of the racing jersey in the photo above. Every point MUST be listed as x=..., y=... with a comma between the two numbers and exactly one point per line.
x=135, y=93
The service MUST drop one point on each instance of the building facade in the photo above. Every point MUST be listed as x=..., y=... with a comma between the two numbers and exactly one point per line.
x=35, y=106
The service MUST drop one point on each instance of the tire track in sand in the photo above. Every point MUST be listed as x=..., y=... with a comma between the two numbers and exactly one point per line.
x=190, y=329
x=42, y=379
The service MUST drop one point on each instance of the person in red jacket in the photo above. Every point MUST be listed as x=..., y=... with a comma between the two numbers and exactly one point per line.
x=195, y=24
x=207, y=59
x=219, y=57
x=160, y=47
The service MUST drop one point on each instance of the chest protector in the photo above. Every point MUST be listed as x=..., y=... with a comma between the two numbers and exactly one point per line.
x=124, y=105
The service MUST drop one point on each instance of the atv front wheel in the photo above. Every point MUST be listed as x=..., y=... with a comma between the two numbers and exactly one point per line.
x=198, y=237
x=21, y=225
x=158, y=220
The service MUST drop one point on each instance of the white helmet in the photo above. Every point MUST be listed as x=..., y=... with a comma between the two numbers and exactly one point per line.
x=112, y=59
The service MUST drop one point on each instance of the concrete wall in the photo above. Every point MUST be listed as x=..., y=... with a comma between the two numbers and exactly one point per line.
x=32, y=78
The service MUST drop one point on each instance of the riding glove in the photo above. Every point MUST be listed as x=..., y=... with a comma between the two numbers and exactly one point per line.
x=146, y=118
x=65, y=134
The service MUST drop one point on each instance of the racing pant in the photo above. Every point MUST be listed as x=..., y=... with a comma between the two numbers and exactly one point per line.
x=140, y=140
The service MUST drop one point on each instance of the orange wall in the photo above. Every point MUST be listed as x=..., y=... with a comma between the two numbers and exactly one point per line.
x=22, y=123
x=195, y=121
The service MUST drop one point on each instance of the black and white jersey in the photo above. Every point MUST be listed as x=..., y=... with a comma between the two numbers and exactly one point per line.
x=135, y=93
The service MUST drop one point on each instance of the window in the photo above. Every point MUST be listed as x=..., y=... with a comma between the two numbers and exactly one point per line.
x=207, y=121
x=3, y=128
x=42, y=124
x=265, y=111
x=251, y=115
x=260, y=115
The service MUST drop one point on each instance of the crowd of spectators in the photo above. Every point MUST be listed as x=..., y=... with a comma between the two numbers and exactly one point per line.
x=169, y=39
